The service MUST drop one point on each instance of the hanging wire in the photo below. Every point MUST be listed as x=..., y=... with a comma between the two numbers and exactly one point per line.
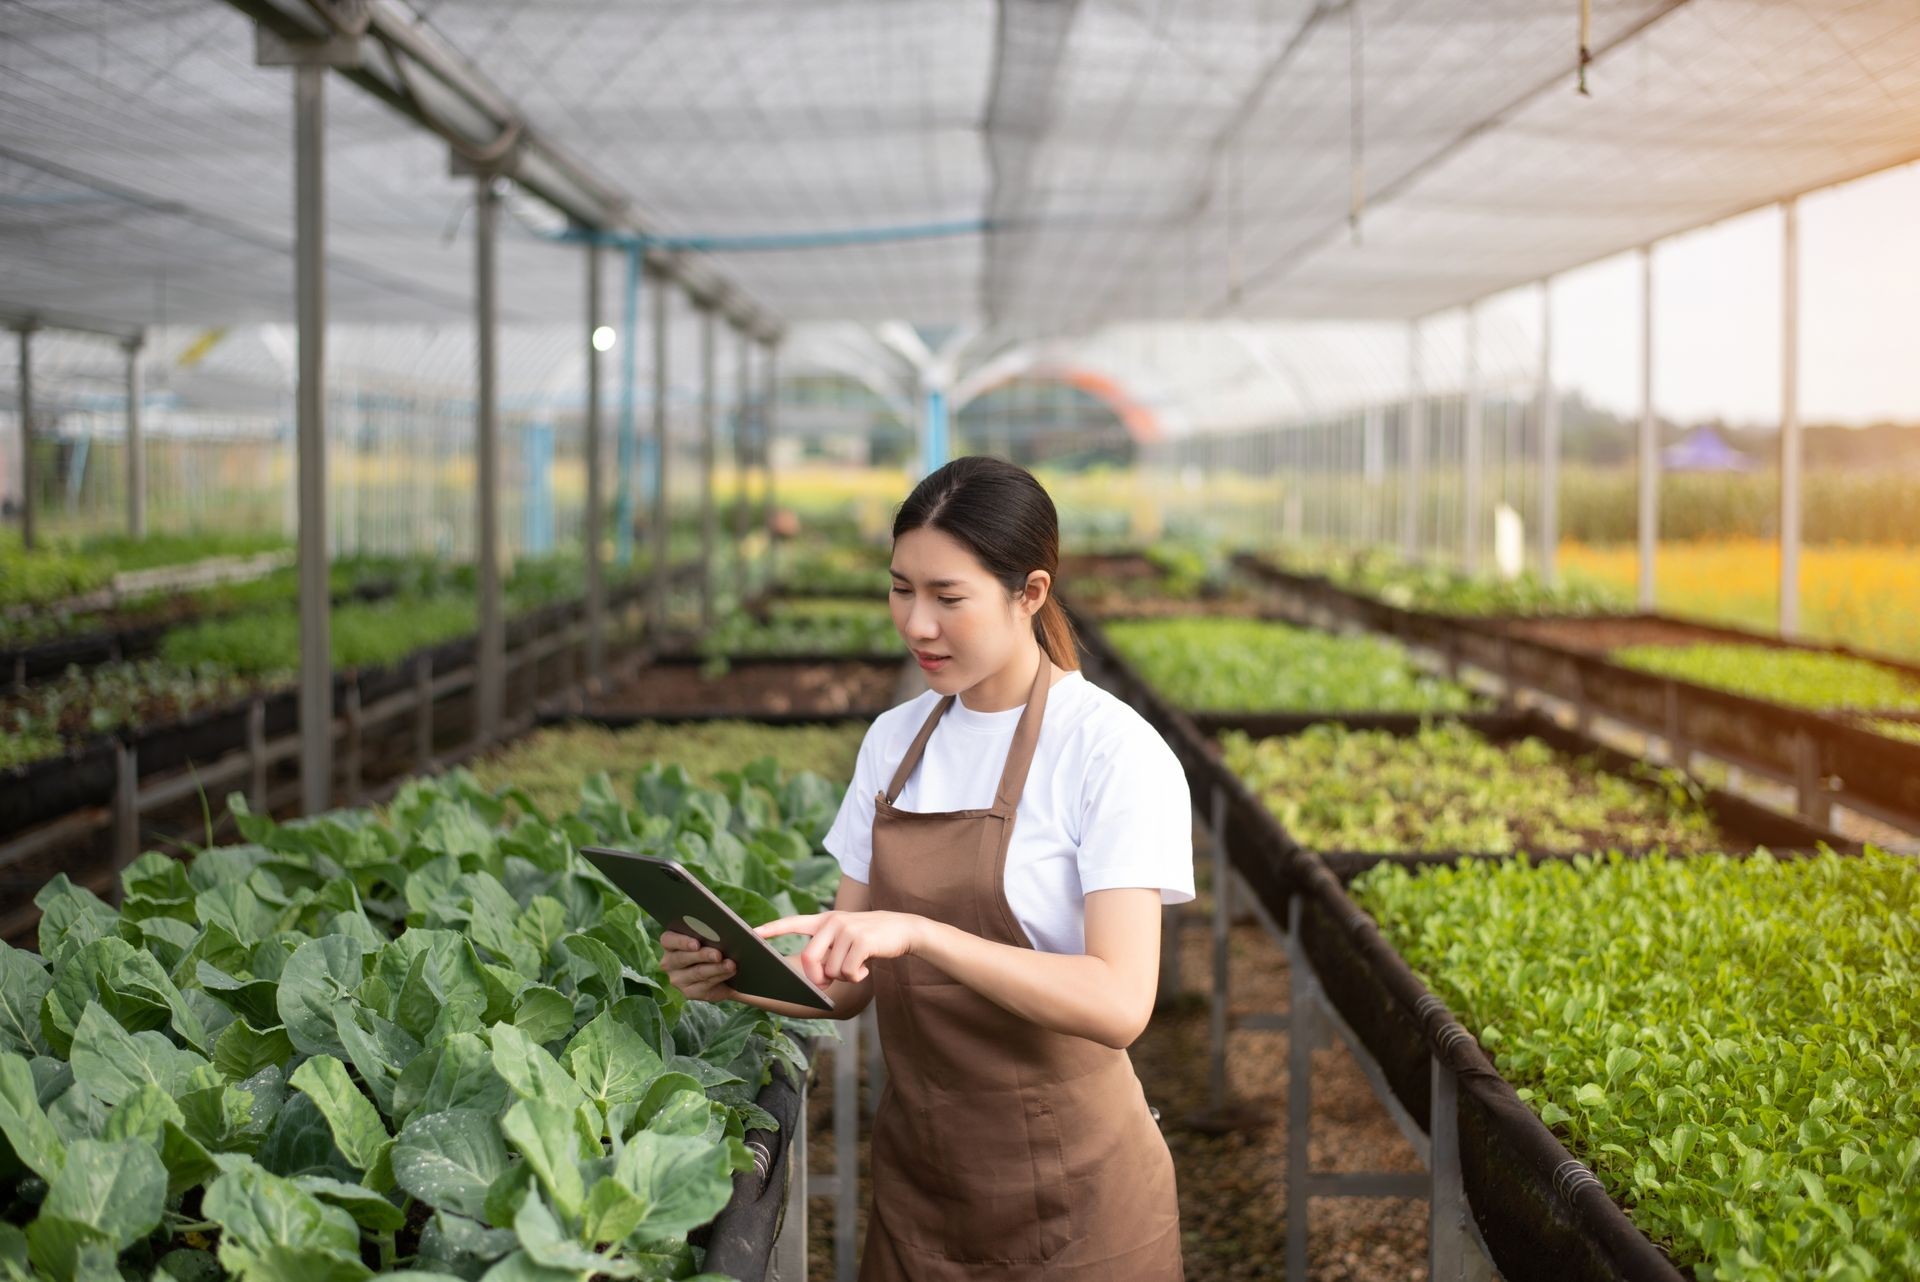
x=1356, y=132
x=1586, y=43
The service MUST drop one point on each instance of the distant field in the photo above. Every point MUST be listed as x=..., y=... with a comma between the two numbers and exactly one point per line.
x=1867, y=595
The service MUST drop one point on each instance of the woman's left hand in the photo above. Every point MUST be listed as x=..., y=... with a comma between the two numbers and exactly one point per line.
x=844, y=942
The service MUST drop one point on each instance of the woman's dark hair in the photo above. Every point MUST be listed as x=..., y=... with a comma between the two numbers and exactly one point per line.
x=1007, y=520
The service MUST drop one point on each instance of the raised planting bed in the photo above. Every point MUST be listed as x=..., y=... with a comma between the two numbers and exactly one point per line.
x=1727, y=1043
x=855, y=571
x=1265, y=666
x=1161, y=582
x=1438, y=589
x=799, y=688
x=423, y=1039
x=1796, y=678
x=554, y=763
x=804, y=628
x=1823, y=757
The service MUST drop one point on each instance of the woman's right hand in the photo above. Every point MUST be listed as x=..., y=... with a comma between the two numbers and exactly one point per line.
x=696, y=969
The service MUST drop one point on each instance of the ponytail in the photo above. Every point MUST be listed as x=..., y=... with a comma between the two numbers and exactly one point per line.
x=1055, y=633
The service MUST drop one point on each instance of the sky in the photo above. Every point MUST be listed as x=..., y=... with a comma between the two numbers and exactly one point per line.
x=1717, y=313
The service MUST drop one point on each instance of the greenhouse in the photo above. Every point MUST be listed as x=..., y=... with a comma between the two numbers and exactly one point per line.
x=1053, y=638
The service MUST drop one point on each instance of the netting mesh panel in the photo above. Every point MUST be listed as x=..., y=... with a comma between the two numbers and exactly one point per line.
x=1040, y=169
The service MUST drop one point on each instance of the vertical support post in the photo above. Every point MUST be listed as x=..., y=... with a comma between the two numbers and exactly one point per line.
x=629, y=379
x=310, y=291
x=354, y=737
x=1413, y=448
x=136, y=441
x=1222, y=956
x=1549, y=443
x=742, y=404
x=769, y=404
x=1649, y=446
x=422, y=711
x=26, y=436
x=846, y=1149
x=1447, y=1203
x=661, y=526
x=596, y=485
x=1473, y=461
x=490, y=675
x=126, y=806
x=789, y=1262
x=709, y=404
x=257, y=755
x=933, y=409
x=1790, y=444
x=1301, y=1020
x=1373, y=470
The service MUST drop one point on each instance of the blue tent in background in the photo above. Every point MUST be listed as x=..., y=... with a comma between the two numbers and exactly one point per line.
x=1704, y=450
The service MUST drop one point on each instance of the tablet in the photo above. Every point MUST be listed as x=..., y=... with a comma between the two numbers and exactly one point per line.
x=677, y=900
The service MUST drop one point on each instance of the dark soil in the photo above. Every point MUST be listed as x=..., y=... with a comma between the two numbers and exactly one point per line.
x=1599, y=635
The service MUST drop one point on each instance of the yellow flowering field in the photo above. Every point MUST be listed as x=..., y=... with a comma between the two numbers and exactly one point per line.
x=1867, y=595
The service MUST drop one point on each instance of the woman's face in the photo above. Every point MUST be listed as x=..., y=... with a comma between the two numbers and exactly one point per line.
x=960, y=623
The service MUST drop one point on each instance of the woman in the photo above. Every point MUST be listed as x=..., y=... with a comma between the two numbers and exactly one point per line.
x=1006, y=845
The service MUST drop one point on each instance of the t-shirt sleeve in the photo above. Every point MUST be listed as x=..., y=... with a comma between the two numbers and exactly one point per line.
x=850, y=839
x=1136, y=827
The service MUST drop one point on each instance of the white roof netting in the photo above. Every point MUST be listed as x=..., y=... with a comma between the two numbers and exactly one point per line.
x=1033, y=170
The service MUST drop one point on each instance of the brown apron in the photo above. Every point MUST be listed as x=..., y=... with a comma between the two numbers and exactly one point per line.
x=1000, y=1148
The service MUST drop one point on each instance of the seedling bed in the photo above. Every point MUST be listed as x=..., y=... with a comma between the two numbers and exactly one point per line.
x=754, y=687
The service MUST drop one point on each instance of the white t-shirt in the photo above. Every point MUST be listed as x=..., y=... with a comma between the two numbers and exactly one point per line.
x=1105, y=804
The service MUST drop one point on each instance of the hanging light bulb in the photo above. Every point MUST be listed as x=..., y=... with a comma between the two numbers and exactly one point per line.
x=603, y=338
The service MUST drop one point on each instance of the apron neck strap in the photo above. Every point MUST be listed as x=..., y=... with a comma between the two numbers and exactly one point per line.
x=1026, y=736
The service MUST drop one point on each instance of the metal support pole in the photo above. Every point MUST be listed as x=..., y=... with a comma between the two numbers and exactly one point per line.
x=1373, y=469
x=1300, y=1029
x=1412, y=449
x=770, y=397
x=310, y=291
x=136, y=442
x=629, y=395
x=1790, y=444
x=422, y=711
x=596, y=485
x=709, y=404
x=1222, y=957
x=1473, y=451
x=1447, y=1204
x=937, y=430
x=126, y=808
x=1549, y=443
x=789, y=1262
x=846, y=1149
x=355, y=737
x=742, y=405
x=657, y=495
x=26, y=436
x=490, y=672
x=1649, y=447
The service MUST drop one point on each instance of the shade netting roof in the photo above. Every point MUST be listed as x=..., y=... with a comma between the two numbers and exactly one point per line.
x=1033, y=167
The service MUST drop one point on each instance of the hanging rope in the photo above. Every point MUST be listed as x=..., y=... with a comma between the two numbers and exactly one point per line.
x=1586, y=43
x=1356, y=121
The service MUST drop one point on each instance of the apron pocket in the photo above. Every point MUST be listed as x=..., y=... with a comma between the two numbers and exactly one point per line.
x=984, y=1179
